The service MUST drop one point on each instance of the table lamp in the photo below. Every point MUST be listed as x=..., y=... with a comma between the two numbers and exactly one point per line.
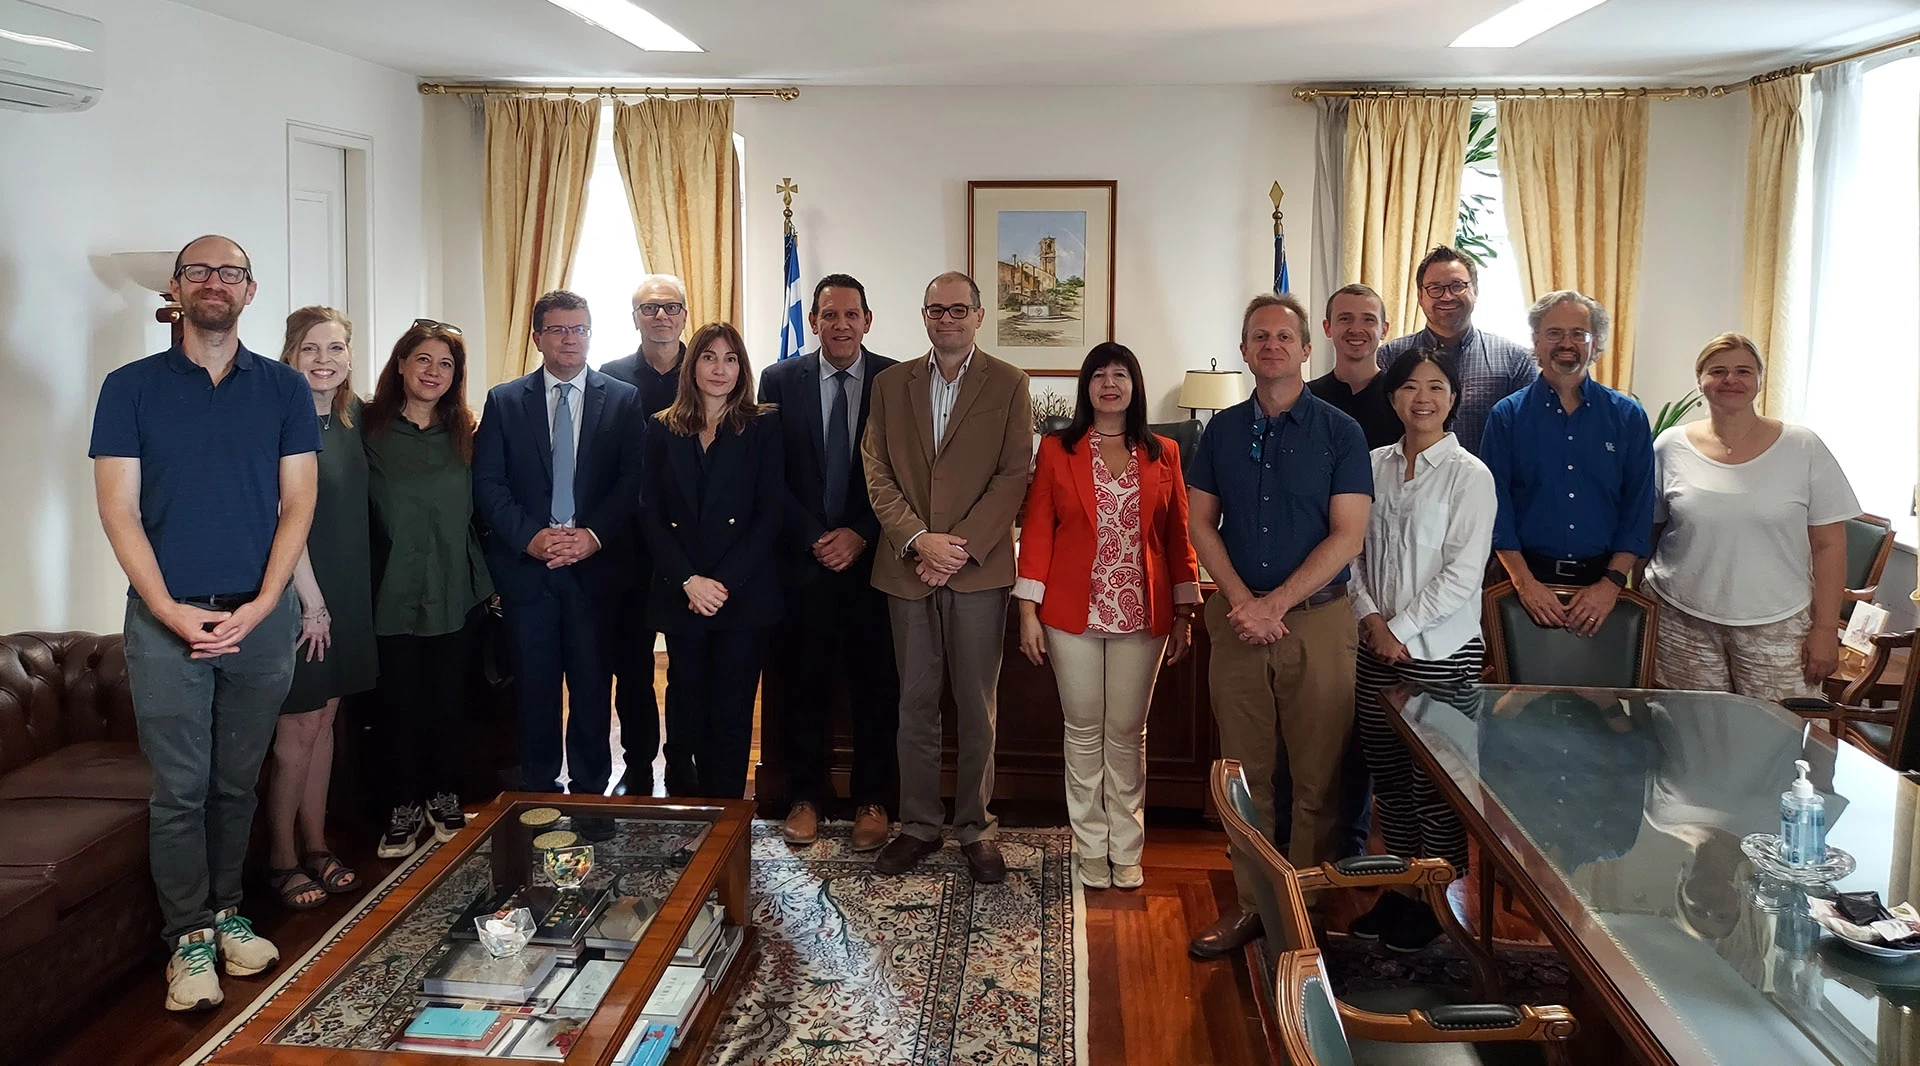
x=1211, y=390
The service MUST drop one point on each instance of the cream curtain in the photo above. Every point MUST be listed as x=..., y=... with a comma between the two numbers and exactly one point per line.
x=538, y=156
x=1775, y=144
x=1574, y=176
x=676, y=157
x=1404, y=157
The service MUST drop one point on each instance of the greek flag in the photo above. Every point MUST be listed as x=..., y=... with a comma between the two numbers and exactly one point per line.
x=793, y=336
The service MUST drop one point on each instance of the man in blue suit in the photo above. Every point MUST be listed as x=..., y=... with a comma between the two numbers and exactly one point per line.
x=556, y=479
x=837, y=630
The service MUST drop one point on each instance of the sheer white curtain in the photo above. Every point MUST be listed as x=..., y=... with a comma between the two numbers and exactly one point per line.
x=1862, y=371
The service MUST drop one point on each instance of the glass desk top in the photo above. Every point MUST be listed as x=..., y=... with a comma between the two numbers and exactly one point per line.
x=635, y=904
x=1626, y=808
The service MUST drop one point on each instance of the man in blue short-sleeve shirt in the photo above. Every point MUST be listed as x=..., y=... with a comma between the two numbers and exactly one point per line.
x=205, y=471
x=1572, y=464
x=1280, y=490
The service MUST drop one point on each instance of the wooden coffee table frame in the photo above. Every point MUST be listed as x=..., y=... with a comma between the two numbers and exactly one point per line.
x=719, y=865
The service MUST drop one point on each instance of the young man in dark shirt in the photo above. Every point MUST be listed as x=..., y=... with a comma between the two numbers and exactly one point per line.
x=1356, y=323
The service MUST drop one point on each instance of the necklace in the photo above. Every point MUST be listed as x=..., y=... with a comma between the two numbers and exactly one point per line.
x=326, y=421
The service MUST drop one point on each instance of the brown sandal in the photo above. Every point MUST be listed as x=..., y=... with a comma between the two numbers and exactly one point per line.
x=333, y=875
x=292, y=885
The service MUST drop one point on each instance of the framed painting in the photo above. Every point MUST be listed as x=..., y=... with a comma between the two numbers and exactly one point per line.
x=1052, y=395
x=1042, y=254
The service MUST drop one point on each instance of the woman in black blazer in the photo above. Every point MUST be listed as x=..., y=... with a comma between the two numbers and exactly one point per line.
x=712, y=510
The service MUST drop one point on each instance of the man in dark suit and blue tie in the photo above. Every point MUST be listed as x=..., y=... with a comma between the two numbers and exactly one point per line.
x=837, y=625
x=556, y=479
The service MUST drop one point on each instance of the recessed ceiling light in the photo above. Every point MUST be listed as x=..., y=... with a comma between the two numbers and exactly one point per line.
x=634, y=25
x=1519, y=23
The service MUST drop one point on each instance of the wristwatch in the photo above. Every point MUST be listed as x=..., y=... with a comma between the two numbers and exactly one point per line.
x=1617, y=578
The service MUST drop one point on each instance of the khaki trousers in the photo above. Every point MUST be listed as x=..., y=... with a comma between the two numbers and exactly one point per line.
x=948, y=639
x=1292, y=700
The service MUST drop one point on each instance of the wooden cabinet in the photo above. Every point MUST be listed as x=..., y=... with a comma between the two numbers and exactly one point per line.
x=1181, y=740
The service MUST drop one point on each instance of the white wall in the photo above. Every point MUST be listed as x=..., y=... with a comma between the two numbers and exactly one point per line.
x=1691, y=258
x=190, y=137
x=883, y=178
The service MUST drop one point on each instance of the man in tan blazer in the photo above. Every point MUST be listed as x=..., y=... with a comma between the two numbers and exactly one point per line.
x=948, y=446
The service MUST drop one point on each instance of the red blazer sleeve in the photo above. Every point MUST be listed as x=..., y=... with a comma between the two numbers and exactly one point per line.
x=1182, y=566
x=1037, y=529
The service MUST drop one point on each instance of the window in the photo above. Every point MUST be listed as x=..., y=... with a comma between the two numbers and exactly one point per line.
x=607, y=263
x=1862, y=352
x=1502, y=307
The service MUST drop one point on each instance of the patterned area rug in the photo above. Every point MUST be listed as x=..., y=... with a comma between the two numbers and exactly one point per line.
x=853, y=969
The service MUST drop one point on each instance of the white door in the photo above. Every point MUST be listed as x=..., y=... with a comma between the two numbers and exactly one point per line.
x=317, y=226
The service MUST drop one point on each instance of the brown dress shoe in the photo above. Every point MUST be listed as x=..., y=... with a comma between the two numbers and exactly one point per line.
x=870, y=827
x=984, y=862
x=1233, y=931
x=904, y=854
x=803, y=824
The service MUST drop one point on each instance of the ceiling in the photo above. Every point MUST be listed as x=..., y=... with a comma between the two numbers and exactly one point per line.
x=1084, y=42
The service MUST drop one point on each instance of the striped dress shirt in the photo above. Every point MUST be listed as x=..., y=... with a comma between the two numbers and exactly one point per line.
x=945, y=393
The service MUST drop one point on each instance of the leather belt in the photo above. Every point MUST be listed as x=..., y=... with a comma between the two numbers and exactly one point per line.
x=1568, y=571
x=1324, y=596
x=226, y=601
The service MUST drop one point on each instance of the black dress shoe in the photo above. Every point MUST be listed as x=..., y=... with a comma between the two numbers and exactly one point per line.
x=1415, y=929
x=1385, y=915
x=984, y=862
x=1235, y=930
x=903, y=853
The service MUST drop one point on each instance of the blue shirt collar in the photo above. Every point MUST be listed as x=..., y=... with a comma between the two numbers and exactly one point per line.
x=1297, y=414
x=1591, y=391
x=177, y=360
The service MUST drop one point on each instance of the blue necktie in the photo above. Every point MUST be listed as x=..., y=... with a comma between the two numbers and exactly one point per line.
x=562, y=459
x=839, y=452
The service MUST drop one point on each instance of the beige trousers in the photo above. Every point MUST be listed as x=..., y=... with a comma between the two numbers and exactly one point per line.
x=1106, y=685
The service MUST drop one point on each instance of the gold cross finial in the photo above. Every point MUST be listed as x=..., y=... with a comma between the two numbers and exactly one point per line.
x=786, y=189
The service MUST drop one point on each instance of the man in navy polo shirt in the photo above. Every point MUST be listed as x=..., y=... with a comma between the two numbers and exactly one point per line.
x=1572, y=464
x=1279, y=494
x=204, y=464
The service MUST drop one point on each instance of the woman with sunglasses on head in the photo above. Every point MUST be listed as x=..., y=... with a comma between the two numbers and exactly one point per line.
x=430, y=580
x=1416, y=594
x=715, y=479
x=1106, y=577
x=334, y=655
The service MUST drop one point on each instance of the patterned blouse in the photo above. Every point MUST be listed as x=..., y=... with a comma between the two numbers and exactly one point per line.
x=1119, y=601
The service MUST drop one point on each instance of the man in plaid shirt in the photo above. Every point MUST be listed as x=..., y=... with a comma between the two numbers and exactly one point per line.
x=1490, y=367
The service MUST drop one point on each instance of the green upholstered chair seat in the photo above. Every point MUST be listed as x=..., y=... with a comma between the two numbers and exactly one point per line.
x=1610, y=658
x=1866, y=558
x=1879, y=734
x=1358, y=1052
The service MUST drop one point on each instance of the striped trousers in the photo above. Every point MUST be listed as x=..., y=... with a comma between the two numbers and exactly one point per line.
x=1415, y=822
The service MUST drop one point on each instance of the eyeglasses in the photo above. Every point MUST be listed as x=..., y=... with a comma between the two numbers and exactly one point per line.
x=1557, y=335
x=199, y=272
x=650, y=310
x=557, y=332
x=432, y=323
x=955, y=311
x=1440, y=292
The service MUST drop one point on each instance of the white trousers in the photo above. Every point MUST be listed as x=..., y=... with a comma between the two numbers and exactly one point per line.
x=1106, y=685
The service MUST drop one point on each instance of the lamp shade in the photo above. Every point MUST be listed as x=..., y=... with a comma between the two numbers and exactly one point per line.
x=1211, y=390
x=149, y=270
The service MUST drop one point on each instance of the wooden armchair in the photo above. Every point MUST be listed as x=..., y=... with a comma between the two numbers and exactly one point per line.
x=1885, y=733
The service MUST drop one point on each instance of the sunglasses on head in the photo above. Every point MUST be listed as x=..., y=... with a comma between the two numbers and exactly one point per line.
x=430, y=323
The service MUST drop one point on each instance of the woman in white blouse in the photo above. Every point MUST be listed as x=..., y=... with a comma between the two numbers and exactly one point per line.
x=1750, y=544
x=1416, y=592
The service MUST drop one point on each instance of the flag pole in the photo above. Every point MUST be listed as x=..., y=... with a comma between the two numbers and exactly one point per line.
x=787, y=188
x=1281, y=283
x=792, y=330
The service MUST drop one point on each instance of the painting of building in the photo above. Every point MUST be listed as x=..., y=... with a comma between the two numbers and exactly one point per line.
x=1039, y=278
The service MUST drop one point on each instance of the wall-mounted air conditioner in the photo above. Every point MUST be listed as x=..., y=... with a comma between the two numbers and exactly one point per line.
x=49, y=60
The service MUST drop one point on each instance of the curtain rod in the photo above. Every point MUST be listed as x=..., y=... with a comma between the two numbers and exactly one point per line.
x=431, y=88
x=1660, y=92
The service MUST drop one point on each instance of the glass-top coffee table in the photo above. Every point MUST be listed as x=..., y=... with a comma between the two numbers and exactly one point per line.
x=647, y=929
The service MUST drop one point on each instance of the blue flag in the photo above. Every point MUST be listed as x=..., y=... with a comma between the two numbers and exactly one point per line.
x=1279, y=262
x=793, y=335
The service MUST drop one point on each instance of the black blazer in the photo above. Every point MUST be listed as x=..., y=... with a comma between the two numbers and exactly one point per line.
x=794, y=384
x=513, y=483
x=720, y=522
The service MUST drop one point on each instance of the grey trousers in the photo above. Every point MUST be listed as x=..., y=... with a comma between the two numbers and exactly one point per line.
x=205, y=725
x=956, y=637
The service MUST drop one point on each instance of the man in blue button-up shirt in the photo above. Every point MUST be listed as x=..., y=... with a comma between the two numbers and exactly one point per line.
x=1572, y=464
x=1280, y=489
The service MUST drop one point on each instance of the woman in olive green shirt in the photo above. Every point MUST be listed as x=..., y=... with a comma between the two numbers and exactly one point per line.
x=430, y=581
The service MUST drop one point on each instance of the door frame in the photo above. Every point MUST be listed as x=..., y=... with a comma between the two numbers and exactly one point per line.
x=360, y=228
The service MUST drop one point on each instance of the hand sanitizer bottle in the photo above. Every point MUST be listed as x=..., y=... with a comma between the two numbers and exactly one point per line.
x=1803, y=821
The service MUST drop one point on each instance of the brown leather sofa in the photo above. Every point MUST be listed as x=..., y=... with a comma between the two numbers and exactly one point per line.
x=77, y=907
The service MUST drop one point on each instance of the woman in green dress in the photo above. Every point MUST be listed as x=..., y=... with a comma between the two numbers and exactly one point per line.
x=430, y=581
x=334, y=656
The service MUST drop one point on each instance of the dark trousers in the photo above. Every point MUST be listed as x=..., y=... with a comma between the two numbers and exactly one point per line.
x=205, y=726
x=426, y=684
x=634, y=699
x=713, y=676
x=837, y=637
x=555, y=639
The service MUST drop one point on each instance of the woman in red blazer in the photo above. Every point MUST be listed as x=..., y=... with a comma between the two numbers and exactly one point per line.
x=1107, y=576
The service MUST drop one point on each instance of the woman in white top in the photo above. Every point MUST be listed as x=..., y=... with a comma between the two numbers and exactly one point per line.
x=1750, y=545
x=1416, y=592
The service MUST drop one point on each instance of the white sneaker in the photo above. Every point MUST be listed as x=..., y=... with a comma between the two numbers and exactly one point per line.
x=192, y=982
x=1094, y=872
x=243, y=953
x=1128, y=875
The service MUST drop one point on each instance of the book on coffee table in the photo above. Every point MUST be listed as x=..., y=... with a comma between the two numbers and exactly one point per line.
x=470, y=971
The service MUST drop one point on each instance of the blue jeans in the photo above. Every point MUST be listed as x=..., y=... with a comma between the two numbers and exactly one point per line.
x=205, y=726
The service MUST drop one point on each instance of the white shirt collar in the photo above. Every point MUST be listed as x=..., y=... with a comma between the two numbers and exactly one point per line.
x=933, y=364
x=548, y=381
x=857, y=370
x=1435, y=454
